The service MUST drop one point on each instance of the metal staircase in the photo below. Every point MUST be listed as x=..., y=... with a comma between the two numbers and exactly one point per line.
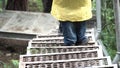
x=47, y=51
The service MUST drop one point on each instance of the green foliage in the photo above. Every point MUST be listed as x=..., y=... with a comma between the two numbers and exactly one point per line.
x=108, y=35
x=11, y=64
x=35, y=5
x=15, y=63
x=108, y=30
x=0, y=5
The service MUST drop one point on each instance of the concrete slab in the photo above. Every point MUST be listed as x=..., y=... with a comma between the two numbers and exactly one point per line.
x=27, y=22
x=26, y=25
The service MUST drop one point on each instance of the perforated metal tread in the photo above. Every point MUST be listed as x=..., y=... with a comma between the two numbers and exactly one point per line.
x=72, y=63
x=47, y=51
x=106, y=66
x=60, y=56
x=56, y=38
x=59, y=49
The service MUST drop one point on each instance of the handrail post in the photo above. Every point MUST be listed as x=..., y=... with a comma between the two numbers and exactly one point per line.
x=117, y=24
x=3, y=5
x=98, y=17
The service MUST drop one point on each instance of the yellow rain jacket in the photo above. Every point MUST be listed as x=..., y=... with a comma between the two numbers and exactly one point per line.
x=72, y=10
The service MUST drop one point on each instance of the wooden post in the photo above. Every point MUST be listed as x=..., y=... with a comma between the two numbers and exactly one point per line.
x=117, y=22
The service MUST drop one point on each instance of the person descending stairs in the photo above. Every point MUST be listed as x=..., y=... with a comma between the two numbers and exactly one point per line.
x=48, y=51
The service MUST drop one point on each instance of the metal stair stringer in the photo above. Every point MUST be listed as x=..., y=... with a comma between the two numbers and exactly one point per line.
x=47, y=51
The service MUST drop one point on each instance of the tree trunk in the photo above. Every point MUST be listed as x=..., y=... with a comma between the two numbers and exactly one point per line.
x=20, y=5
x=47, y=4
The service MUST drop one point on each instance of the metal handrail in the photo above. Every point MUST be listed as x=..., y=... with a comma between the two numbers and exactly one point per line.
x=98, y=18
x=3, y=5
x=117, y=22
x=99, y=26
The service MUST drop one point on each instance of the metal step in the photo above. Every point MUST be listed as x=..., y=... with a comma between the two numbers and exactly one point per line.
x=48, y=51
x=59, y=49
x=88, y=31
x=106, y=66
x=61, y=56
x=72, y=63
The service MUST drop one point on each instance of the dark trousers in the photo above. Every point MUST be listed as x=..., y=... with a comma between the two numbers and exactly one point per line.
x=47, y=4
x=73, y=32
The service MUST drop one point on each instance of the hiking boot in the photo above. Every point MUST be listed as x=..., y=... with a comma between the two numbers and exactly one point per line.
x=83, y=42
x=68, y=45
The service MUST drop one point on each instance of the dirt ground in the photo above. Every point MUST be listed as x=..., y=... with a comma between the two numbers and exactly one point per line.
x=11, y=49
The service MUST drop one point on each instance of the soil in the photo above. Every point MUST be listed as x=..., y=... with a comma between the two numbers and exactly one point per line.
x=6, y=54
x=11, y=49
